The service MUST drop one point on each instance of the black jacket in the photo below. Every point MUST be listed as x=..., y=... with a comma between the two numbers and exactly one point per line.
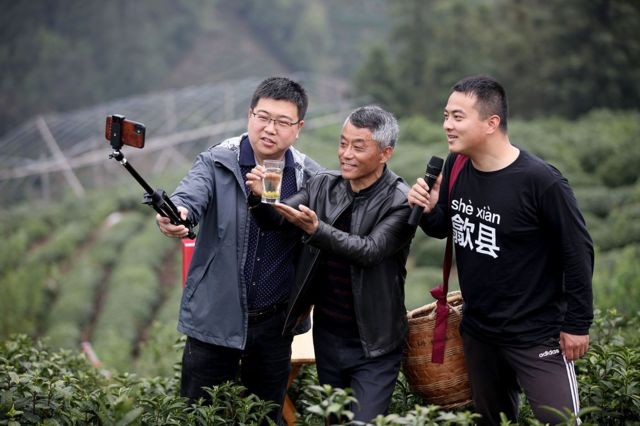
x=377, y=248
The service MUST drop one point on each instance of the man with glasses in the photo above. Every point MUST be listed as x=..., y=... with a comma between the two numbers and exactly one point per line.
x=236, y=292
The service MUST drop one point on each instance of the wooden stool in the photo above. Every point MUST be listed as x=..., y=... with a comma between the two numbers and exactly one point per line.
x=301, y=354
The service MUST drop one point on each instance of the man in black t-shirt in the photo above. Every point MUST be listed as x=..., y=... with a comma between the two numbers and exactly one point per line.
x=524, y=258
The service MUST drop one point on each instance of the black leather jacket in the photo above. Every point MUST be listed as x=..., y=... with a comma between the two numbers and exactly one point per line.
x=377, y=248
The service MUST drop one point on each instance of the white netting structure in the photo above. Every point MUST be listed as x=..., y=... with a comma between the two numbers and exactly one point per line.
x=51, y=153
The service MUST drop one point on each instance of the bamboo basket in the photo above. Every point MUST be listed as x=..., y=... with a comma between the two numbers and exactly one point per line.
x=446, y=384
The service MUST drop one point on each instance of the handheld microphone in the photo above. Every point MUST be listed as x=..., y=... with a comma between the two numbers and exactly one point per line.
x=434, y=167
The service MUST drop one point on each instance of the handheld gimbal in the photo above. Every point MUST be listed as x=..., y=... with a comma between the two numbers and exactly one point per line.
x=120, y=131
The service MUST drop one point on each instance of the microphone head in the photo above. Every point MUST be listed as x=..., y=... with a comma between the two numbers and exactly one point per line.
x=434, y=167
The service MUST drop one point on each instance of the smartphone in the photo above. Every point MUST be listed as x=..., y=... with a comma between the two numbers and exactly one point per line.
x=132, y=133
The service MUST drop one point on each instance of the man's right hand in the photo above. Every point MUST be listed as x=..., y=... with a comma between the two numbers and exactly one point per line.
x=420, y=195
x=171, y=230
x=254, y=180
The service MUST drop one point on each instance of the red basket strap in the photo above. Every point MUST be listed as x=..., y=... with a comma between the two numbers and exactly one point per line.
x=440, y=293
x=440, y=326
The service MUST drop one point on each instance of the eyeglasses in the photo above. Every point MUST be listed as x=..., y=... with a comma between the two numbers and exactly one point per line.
x=280, y=123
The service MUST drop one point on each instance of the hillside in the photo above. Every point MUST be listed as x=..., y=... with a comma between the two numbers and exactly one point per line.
x=228, y=51
x=77, y=54
x=97, y=268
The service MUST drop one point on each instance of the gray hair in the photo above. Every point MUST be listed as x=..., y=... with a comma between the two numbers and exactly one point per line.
x=382, y=124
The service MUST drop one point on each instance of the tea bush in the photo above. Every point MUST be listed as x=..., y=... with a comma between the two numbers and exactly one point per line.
x=609, y=375
x=70, y=311
x=133, y=290
x=45, y=387
x=617, y=280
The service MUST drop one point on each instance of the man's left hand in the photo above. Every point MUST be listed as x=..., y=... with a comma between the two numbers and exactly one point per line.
x=573, y=346
x=305, y=218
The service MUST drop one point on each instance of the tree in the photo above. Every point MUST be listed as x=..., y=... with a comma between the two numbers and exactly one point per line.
x=564, y=57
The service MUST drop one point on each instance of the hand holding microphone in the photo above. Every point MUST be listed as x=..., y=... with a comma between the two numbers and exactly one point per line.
x=434, y=167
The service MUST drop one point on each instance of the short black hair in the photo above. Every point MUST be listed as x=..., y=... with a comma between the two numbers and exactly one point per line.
x=491, y=98
x=282, y=89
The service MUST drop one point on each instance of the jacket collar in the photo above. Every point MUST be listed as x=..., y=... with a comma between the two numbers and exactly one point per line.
x=386, y=176
x=298, y=159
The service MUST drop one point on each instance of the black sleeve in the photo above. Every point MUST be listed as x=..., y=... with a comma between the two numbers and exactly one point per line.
x=561, y=212
x=437, y=223
x=267, y=218
x=390, y=234
x=264, y=215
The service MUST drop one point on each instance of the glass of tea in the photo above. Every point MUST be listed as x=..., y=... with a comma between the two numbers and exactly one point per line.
x=272, y=181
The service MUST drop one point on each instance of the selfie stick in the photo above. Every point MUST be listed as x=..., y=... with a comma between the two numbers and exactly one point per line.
x=157, y=199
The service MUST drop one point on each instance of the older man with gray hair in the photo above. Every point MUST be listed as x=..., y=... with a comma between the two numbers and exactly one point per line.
x=356, y=241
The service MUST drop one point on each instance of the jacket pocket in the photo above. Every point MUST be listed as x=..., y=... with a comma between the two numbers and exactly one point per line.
x=195, y=278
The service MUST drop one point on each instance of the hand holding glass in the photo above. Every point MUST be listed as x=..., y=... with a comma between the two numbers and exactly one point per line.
x=272, y=181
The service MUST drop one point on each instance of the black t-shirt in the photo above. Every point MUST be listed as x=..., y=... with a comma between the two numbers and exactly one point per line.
x=334, y=309
x=524, y=256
